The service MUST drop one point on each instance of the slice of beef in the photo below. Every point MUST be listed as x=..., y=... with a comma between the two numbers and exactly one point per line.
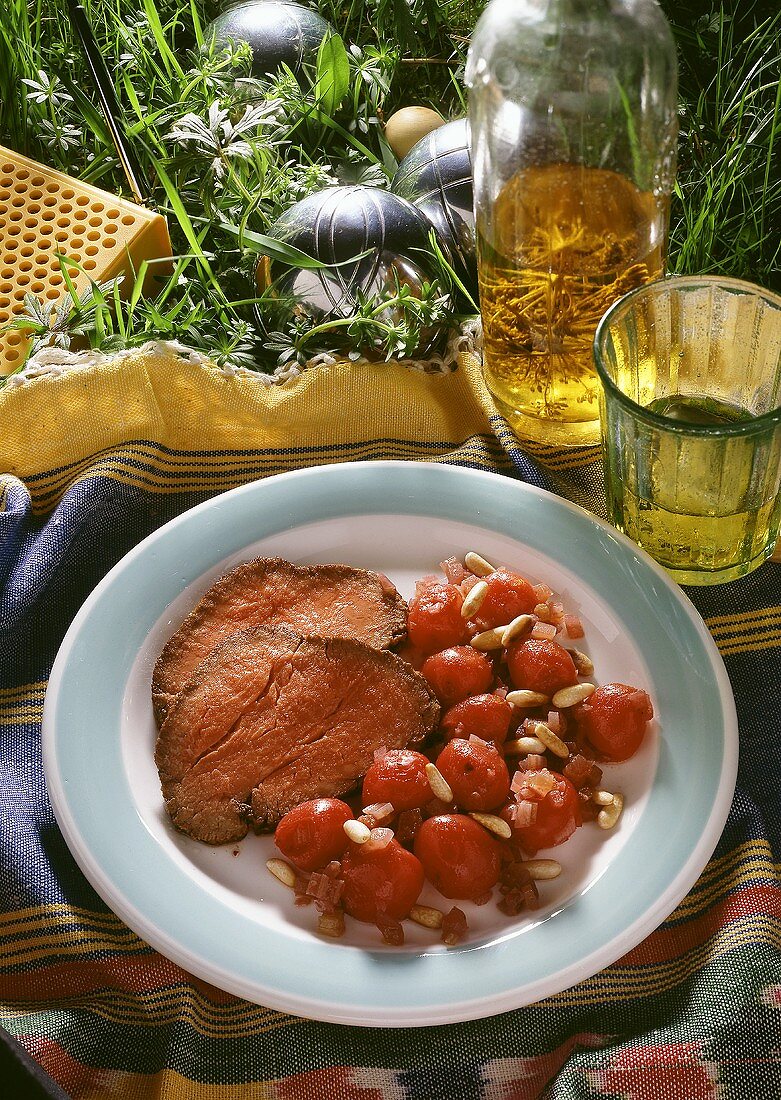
x=333, y=601
x=271, y=719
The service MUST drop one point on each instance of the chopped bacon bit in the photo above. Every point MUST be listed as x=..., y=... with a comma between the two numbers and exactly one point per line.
x=331, y=924
x=392, y=930
x=303, y=899
x=578, y=771
x=475, y=740
x=501, y=691
x=407, y=826
x=588, y=808
x=574, y=626
x=531, y=895
x=513, y=874
x=482, y=899
x=595, y=777
x=380, y=753
x=515, y=901
x=301, y=883
x=543, y=592
x=454, y=926
x=333, y=869
x=511, y=904
x=454, y=570
x=468, y=583
x=557, y=612
x=544, y=631
x=554, y=722
x=542, y=612
x=326, y=891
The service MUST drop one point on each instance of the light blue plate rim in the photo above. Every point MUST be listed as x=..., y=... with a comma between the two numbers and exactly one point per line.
x=168, y=908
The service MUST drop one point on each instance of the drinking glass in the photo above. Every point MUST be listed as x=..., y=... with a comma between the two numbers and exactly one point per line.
x=691, y=423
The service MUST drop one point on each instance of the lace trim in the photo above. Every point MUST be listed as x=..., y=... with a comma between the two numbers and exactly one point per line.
x=53, y=361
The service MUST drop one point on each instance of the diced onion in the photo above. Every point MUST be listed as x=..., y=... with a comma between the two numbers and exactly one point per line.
x=574, y=626
x=553, y=721
x=453, y=570
x=380, y=811
x=523, y=813
x=378, y=839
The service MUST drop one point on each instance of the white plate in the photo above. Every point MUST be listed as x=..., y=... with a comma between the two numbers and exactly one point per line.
x=218, y=912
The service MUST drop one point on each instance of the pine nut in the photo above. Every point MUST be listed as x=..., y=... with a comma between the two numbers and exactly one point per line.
x=426, y=915
x=550, y=740
x=494, y=824
x=569, y=696
x=526, y=698
x=519, y=625
x=489, y=639
x=524, y=745
x=602, y=798
x=478, y=565
x=607, y=818
x=331, y=924
x=473, y=600
x=282, y=871
x=543, y=868
x=582, y=662
x=356, y=831
x=440, y=788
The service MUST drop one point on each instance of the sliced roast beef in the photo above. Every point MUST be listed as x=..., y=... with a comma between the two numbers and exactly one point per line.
x=333, y=601
x=270, y=719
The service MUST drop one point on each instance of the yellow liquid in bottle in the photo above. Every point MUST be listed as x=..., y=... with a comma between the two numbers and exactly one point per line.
x=566, y=242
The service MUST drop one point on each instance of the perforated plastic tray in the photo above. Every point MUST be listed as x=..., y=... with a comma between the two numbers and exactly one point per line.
x=45, y=214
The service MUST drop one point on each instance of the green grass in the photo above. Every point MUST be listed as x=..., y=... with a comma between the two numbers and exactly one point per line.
x=221, y=179
x=727, y=215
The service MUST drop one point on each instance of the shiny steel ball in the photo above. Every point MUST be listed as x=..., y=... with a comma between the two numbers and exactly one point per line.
x=337, y=225
x=278, y=33
x=436, y=177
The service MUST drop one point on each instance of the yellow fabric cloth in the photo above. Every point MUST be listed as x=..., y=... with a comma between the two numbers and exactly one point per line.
x=197, y=413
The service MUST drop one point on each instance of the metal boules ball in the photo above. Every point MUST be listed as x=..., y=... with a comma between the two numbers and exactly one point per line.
x=372, y=242
x=436, y=177
x=278, y=32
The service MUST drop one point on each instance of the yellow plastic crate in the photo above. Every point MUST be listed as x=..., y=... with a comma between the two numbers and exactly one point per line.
x=44, y=213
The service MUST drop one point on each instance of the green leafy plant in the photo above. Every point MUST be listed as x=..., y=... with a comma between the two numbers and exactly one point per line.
x=225, y=153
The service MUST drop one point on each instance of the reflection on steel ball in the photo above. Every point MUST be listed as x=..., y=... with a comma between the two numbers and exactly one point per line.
x=277, y=31
x=436, y=176
x=337, y=225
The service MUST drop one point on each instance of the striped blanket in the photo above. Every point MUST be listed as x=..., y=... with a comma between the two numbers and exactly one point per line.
x=94, y=460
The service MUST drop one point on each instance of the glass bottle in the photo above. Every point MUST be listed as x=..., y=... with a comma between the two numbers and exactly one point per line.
x=573, y=120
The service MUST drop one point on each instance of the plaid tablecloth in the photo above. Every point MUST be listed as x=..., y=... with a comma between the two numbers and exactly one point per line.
x=93, y=461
